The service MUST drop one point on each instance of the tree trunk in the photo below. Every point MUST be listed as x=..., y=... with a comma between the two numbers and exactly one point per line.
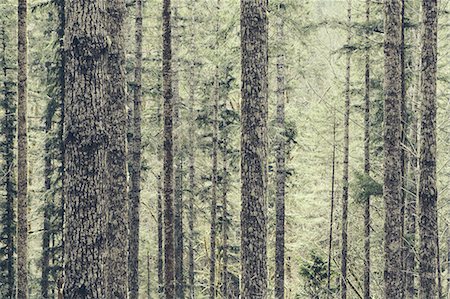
x=169, y=266
x=85, y=149
x=280, y=160
x=392, y=151
x=367, y=162
x=427, y=163
x=225, y=278
x=254, y=113
x=345, y=183
x=8, y=130
x=22, y=168
x=117, y=208
x=332, y=203
x=135, y=192
x=160, y=241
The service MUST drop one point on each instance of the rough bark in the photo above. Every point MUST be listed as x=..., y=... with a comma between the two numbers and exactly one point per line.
x=392, y=151
x=86, y=49
x=280, y=159
x=345, y=183
x=117, y=203
x=169, y=264
x=367, y=161
x=254, y=113
x=427, y=162
x=135, y=192
x=22, y=168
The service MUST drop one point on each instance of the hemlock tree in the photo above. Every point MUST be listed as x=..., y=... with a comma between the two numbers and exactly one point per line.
x=254, y=113
x=393, y=275
x=427, y=185
x=22, y=147
x=117, y=208
x=85, y=149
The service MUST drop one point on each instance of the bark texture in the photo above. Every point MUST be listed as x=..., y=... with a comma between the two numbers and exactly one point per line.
x=117, y=201
x=392, y=151
x=254, y=110
x=135, y=192
x=427, y=163
x=280, y=159
x=22, y=167
x=345, y=183
x=169, y=264
x=86, y=49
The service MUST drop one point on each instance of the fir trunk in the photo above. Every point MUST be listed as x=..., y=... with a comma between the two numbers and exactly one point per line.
x=254, y=113
x=427, y=162
x=117, y=208
x=135, y=192
x=86, y=49
x=345, y=184
x=392, y=151
x=22, y=168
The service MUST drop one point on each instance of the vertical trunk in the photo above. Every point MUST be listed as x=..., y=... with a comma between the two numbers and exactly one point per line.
x=367, y=162
x=427, y=164
x=225, y=291
x=280, y=161
x=169, y=266
x=392, y=151
x=117, y=208
x=22, y=169
x=330, y=235
x=346, y=155
x=135, y=192
x=85, y=149
x=160, y=241
x=8, y=130
x=254, y=113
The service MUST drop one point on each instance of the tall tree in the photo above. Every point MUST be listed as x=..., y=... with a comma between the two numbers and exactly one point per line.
x=117, y=208
x=135, y=197
x=85, y=149
x=367, y=159
x=427, y=162
x=392, y=150
x=22, y=148
x=169, y=267
x=160, y=240
x=280, y=157
x=332, y=207
x=345, y=183
x=8, y=129
x=254, y=111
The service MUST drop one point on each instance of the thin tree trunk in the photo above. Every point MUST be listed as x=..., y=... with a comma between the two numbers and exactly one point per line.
x=117, y=208
x=332, y=203
x=427, y=162
x=169, y=266
x=136, y=152
x=367, y=162
x=8, y=130
x=160, y=241
x=225, y=219
x=254, y=113
x=280, y=160
x=85, y=149
x=345, y=183
x=22, y=168
x=393, y=275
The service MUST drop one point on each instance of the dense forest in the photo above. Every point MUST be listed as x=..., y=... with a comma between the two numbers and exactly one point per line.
x=224, y=149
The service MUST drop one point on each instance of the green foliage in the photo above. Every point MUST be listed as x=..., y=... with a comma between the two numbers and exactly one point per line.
x=314, y=272
x=365, y=186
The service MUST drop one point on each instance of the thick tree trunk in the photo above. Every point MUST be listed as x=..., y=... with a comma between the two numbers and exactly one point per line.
x=367, y=162
x=135, y=192
x=345, y=184
x=280, y=160
x=169, y=265
x=427, y=164
x=393, y=275
x=85, y=149
x=254, y=113
x=22, y=168
x=117, y=203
